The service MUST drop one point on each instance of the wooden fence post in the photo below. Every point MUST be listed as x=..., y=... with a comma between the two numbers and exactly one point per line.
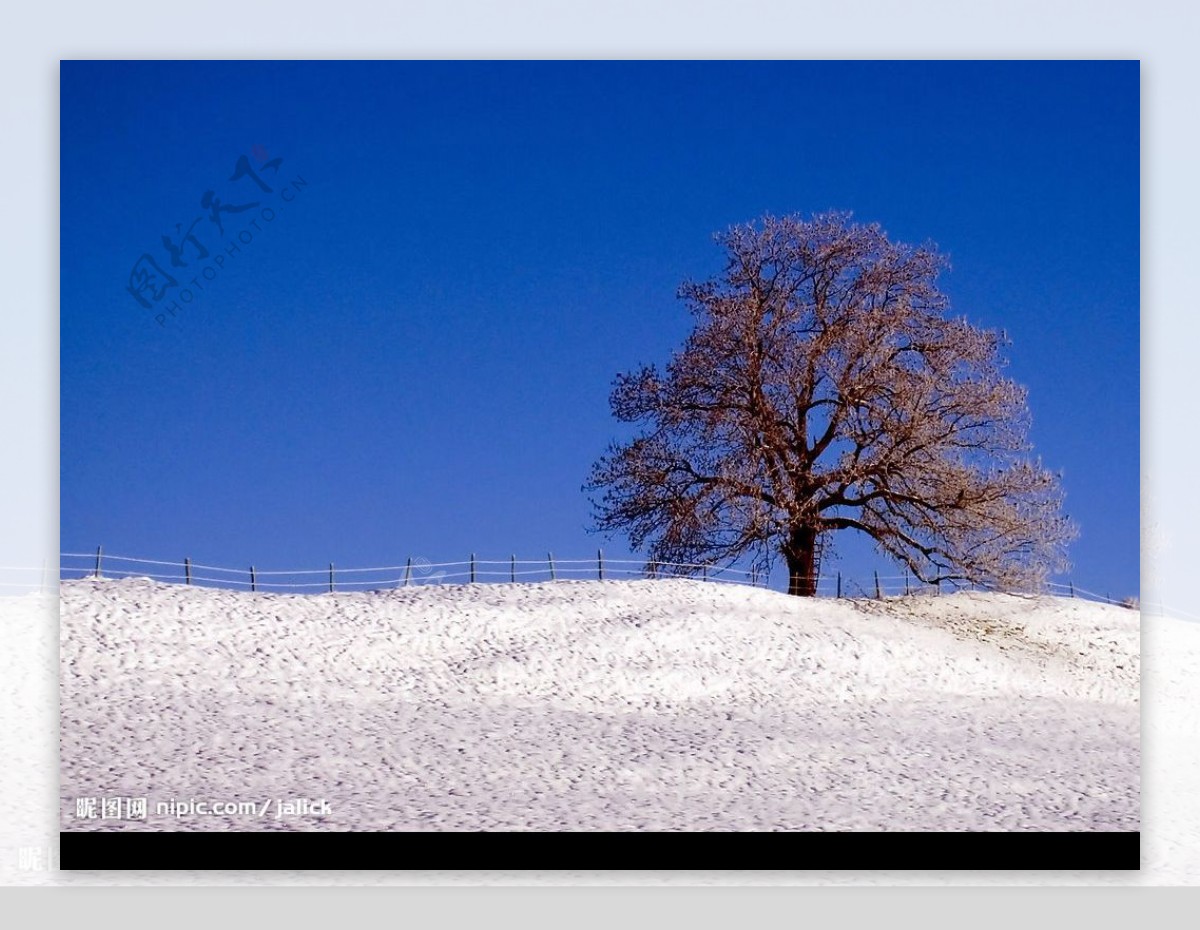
x=906, y=583
x=408, y=572
x=512, y=572
x=99, y=557
x=704, y=574
x=330, y=577
x=839, y=585
x=187, y=569
x=600, y=562
x=472, y=568
x=878, y=595
x=253, y=580
x=1072, y=584
x=550, y=557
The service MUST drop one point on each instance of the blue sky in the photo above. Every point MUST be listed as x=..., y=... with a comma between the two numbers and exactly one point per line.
x=413, y=357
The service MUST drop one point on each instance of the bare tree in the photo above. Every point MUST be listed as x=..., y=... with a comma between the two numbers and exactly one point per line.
x=825, y=388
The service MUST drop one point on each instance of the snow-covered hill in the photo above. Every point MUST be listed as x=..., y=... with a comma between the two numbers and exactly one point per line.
x=640, y=705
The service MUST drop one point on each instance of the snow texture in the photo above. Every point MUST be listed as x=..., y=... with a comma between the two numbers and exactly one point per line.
x=579, y=705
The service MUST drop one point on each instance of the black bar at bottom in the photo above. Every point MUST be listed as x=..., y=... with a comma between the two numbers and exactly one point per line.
x=94, y=850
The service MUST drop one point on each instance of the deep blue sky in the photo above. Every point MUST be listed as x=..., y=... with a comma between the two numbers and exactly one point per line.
x=414, y=357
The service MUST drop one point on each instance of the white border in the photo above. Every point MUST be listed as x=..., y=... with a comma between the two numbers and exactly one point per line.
x=1161, y=34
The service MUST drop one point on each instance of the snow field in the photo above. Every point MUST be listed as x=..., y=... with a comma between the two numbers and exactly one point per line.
x=617, y=705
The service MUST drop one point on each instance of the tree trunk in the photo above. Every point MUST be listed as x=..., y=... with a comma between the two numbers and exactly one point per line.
x=800, y=550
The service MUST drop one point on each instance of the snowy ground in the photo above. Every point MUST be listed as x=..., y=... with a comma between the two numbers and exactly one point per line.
x=641, y=705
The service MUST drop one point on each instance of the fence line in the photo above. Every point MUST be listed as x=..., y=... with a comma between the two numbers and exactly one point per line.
x=99, y=564
x=421, y=572
x=399, y=568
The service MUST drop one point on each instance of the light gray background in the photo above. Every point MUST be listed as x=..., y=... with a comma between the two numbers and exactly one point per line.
x=1161, y=34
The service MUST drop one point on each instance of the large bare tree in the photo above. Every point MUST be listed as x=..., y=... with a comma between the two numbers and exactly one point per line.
x=825, y=388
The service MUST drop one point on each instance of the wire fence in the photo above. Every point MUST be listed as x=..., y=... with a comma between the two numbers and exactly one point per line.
x=416, y=571
x=420, y=571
